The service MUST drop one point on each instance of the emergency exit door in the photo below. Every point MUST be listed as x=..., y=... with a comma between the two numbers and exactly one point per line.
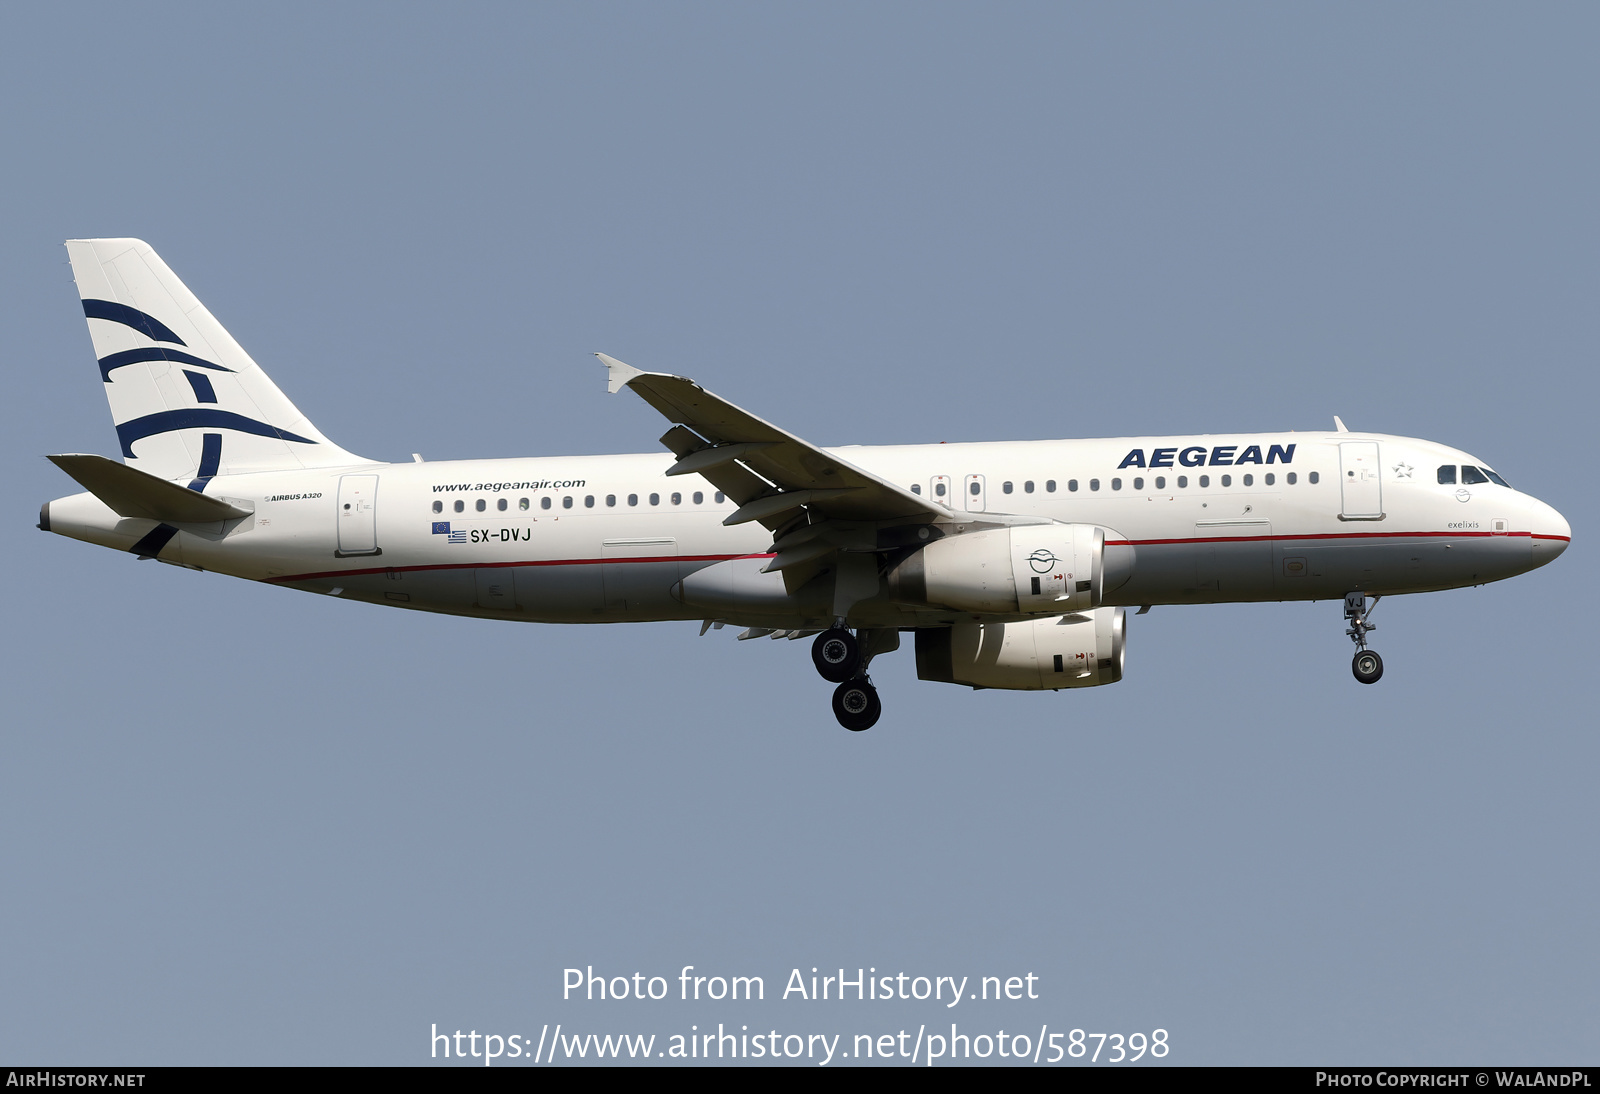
x=973, y=492
x=358, y=515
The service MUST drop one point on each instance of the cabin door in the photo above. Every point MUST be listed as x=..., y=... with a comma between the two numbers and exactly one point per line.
x=1361, y=490
x=358, y=515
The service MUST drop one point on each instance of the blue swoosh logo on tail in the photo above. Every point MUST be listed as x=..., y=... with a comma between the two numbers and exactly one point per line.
x=152, y=353
x=197, y=418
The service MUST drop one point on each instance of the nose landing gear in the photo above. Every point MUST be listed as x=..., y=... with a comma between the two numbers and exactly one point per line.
x=1366, y=666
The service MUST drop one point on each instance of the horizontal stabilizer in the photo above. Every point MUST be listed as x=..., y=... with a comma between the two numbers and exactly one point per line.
x=134, y=493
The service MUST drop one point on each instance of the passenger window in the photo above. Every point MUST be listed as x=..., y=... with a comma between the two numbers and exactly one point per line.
x=481, y=505
x=938, y=489
x=501, y=505
x=717, y=497
x=1271, y=478
x=916, y=488
x=1227, y=480
x=655, y=499
x=1161, y=482
x=1183, y=481
x=1447, y=475
x=1072, y=486
x=1094, y=484
x=523, y=504
x=611, y=501
x=1471, y=476
x=1249, y=480
x=438, y=507
x=1049, y=486
x=699, y=497
x=588, y=501
x=974, y=489
x=460, y=505
x=1005, y=487
x=1205, y=480
x=1138, y=484
x=1027, y=487
x=1116, y=484
x=677, y=499
x=1312, y=478
x=566, y=502
x=633, y=499
x=544, y=503
x=1289, y=478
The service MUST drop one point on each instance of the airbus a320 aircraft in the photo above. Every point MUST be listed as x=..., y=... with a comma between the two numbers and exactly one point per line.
x=1011, y=563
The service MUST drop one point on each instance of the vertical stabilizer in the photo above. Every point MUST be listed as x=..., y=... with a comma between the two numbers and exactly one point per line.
x=187, y=400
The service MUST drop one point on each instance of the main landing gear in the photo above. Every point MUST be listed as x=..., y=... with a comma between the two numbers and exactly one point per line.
x=1366, y=665
x=840, y=660
x=856, y=705
x=837, y=655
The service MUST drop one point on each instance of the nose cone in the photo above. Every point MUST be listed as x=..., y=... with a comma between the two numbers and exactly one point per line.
x=1551, y=532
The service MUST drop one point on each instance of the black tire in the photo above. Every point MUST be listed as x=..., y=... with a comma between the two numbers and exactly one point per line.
x=856, y=705
x=1367, y=667
x=837, y=655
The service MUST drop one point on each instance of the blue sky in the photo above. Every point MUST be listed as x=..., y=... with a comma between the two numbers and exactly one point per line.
x=244, y=825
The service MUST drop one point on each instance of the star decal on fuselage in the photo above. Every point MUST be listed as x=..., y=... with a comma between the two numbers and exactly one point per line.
x=1402, y=470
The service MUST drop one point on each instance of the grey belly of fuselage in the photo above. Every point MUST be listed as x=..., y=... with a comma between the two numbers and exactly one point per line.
x=1313, y=569
x=591, y=592
x=1186, y=573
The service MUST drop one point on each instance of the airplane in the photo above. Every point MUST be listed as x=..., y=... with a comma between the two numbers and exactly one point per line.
x=1010, y=563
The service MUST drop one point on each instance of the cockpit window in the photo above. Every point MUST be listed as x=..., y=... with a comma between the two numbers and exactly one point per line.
x=1496, y=479
x=1447, y=475
x=1471, y=476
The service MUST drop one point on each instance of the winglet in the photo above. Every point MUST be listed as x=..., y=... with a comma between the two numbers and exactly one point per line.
x=1338, y=425
x=620, y=373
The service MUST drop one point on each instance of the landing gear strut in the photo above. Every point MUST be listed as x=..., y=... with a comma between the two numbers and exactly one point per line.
x=1367, y=666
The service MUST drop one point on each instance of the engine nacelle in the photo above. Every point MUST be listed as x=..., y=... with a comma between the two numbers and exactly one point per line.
x=1040, y=568
x=1080, y=650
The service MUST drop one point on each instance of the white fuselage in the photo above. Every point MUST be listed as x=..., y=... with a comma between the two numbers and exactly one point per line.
x=608, y=538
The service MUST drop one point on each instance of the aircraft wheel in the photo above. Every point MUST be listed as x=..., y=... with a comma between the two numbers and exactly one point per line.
x=837, y=655
x=1367, y=667
x=856, y=705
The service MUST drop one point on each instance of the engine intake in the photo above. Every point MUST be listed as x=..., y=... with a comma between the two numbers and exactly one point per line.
x=1035, y=568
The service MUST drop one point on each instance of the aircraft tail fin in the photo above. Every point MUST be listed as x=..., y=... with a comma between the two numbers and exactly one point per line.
x=187, y=400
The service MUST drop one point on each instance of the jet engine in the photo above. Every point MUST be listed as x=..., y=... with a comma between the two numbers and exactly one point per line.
x=1050, y=568
x=1078, y=650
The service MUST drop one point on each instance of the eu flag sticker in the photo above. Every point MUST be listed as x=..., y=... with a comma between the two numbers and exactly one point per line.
x=441, y=528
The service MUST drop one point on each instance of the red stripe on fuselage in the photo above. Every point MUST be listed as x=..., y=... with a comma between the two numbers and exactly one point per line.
x=727, y=558
x=493, y=565
x=1319, y=535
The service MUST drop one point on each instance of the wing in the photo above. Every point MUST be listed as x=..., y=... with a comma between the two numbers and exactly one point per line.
x=771, y=474
x=824, y=512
